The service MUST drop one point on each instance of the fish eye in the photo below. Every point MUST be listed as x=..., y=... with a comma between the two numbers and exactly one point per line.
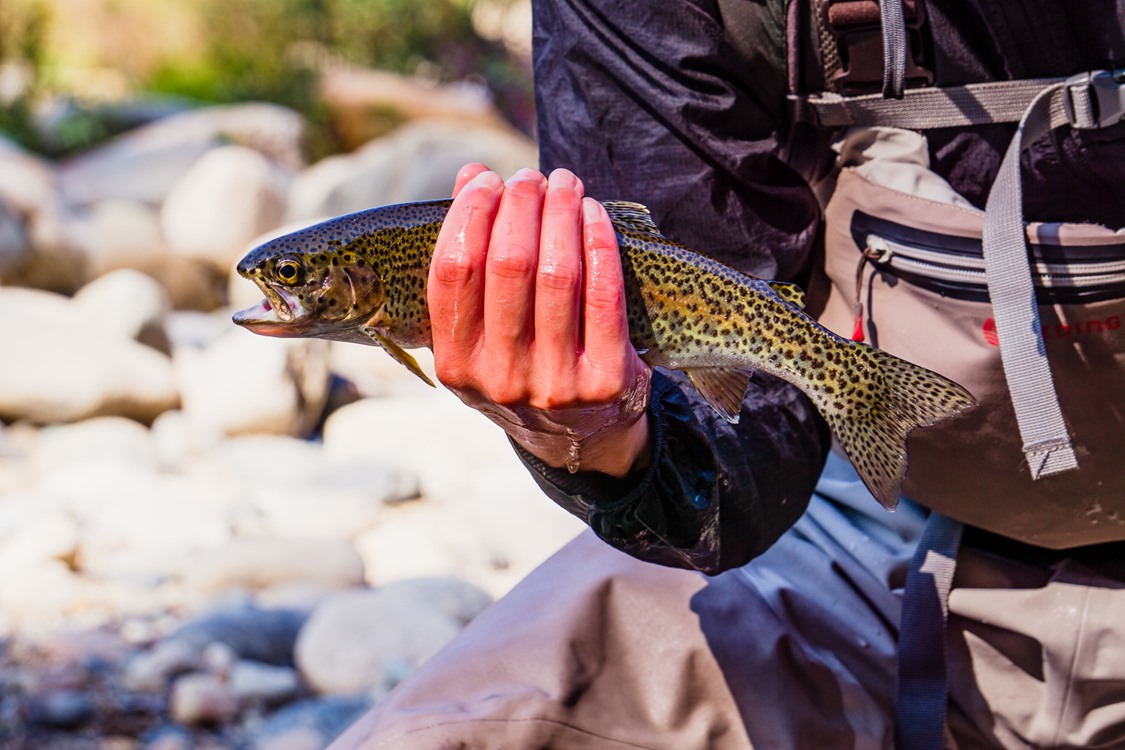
x=288, y=270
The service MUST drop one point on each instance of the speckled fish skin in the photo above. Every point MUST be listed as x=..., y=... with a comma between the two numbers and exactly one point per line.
x=362, y=278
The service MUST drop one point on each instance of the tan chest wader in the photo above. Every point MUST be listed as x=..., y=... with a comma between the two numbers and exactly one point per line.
x=1030, y=317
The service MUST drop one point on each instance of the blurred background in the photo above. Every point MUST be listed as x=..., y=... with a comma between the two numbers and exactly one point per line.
x=210, y=539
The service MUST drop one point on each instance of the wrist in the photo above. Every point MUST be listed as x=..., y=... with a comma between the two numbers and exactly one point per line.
x=617, y=451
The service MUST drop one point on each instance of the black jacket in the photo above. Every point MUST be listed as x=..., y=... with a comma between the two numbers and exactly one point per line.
x=679, y=104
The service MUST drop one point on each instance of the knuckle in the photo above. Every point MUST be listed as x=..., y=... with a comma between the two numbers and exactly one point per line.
x=559, y=277
x=453, y=269
x=605, y=297
x=514, y=262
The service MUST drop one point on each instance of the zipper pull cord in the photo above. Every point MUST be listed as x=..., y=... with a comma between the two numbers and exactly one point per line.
x=869, y=254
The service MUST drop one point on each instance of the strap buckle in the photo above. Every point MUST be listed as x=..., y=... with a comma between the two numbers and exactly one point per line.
x=855, y=25
x=1095, y=99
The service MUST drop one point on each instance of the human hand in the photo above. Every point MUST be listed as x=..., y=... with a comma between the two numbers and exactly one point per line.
x=527, y=308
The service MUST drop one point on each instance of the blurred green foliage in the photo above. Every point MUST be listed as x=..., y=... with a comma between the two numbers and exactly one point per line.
x=236, y=50
x=269, y=50
x=23, y=32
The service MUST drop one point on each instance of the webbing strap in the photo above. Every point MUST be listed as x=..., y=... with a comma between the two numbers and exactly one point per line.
x=923, y=108
x=922, y=688
x=894, y=48
x=1046, y=440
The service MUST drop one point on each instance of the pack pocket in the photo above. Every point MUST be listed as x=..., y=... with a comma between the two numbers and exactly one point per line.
x=907, y=275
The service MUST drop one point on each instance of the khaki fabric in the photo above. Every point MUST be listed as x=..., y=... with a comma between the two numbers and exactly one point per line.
x=972, y=468
x=795, y=650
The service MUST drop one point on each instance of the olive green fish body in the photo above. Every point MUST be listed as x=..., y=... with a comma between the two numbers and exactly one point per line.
x=362, y=278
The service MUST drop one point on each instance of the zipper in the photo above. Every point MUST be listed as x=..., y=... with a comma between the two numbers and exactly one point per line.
x=954, y=266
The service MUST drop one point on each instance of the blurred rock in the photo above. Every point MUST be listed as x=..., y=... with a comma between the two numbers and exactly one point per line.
x=181, y=442
x=419, y=542
x=457, y=598
x=101, y=440
x=199, y=330
x=229, y=197
x=419, y=161
x=370, y=639
x=145, y=527
x=36, y=246
x=57, y=369
x=120, y=233
x=40, y=595
x=153, y=670
x=49, y=535
x=62, y=709
x=255, y=564
x=263, y=683
x=309, y=724
x=245, y=384
x=254, y=633
x=128, y=303
x=15, y=246
x=364, y=104
x=144, y=164
x=300, y=493
x=202, y=698
x=126, y=234
x=27, y=180
x=168, y=737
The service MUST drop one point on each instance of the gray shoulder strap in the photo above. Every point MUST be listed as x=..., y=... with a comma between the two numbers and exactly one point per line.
x=1086, y=101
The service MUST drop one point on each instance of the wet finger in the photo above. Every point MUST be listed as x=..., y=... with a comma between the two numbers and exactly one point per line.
x=513, y=254
x=558, y=290
x=606, y=343
x=467, y=173
x=455, y=291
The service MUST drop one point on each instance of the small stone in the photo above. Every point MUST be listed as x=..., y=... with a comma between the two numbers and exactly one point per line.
x=218, y=658
x=168, y=737
x=62, y=709
x=354, y=640
x=77, y=371
x=256, y=682
x=119, y=234
x=257, y=564
x=129, y=303
x=288, y=384
x=264, y=635
x=152, y=670
x=202, y=698
x=309, y=724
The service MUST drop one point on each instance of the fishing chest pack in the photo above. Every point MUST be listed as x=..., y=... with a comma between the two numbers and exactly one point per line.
x=1028, y=316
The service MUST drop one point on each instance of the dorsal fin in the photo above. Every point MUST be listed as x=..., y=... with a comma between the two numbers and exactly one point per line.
x=790, y=293
x=632, y=216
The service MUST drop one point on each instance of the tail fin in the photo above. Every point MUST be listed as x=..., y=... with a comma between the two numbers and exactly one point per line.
x=873, y=430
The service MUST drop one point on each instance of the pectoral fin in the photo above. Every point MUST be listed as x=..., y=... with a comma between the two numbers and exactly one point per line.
x=723, y=389
x=399, y=354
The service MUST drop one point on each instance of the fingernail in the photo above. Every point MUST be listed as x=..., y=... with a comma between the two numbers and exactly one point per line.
x=591, y=210
x=562, y=178
x=528, y=174
x=486, y=181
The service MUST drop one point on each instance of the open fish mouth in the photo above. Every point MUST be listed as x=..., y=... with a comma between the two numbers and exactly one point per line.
x=274, y=315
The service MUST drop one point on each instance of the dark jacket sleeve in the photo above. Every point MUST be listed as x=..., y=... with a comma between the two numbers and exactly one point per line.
x=651, y=102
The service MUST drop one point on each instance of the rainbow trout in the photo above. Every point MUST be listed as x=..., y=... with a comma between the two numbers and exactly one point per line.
x=362, y=278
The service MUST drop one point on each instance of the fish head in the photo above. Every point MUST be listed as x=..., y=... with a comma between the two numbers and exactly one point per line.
x=314, y=286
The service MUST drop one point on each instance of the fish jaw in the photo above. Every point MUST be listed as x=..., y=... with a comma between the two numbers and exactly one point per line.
x=278, y=314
